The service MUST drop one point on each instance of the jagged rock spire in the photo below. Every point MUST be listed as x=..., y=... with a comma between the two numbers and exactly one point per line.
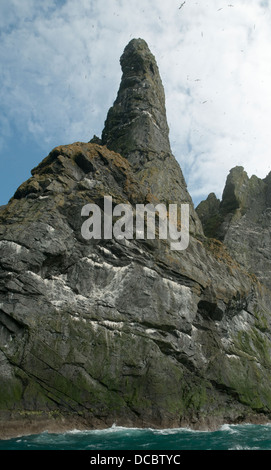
x=137, y=128
x=136, y=125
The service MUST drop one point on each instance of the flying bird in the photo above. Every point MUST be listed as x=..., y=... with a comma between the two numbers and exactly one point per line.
x=181, y=5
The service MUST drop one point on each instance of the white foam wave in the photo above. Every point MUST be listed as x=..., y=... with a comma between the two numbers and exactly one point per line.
x=239, y=447
x=169, y=431
x=115, y=429
x=78, y=431
x=229, y=428
x=112, y=429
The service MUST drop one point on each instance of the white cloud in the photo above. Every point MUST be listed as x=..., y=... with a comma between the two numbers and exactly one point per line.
x=60, y=74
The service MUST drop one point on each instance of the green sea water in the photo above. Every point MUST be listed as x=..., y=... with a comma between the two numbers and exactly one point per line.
x=228, y=437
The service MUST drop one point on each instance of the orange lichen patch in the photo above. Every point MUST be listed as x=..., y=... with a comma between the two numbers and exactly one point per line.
x=221, y=254
x=113, y=157
x=70, y=151
x=76, y=160
x=219, y=251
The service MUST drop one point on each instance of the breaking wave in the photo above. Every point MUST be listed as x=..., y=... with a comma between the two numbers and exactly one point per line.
x=228, y=437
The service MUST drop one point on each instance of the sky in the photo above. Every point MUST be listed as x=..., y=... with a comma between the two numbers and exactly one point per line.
x=60, y=73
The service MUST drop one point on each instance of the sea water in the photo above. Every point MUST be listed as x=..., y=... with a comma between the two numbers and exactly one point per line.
x=228, y=437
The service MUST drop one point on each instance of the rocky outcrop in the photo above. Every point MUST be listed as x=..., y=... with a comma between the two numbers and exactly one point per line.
x=242, y=221
x=209, y=215
x=136, y=125
x=125, y=331
x=137, y=128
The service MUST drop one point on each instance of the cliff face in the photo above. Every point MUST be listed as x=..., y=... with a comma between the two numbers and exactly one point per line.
x=126, y=331
x=242, y=221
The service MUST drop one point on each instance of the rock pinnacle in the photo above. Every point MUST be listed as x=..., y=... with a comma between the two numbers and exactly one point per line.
x=137, y=128
x=136, y=125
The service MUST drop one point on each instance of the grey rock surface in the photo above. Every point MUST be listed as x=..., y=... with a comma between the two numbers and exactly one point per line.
x=242, y=221
x=95, y=332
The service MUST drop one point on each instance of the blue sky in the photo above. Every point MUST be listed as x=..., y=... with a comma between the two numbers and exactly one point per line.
x=60, y=74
